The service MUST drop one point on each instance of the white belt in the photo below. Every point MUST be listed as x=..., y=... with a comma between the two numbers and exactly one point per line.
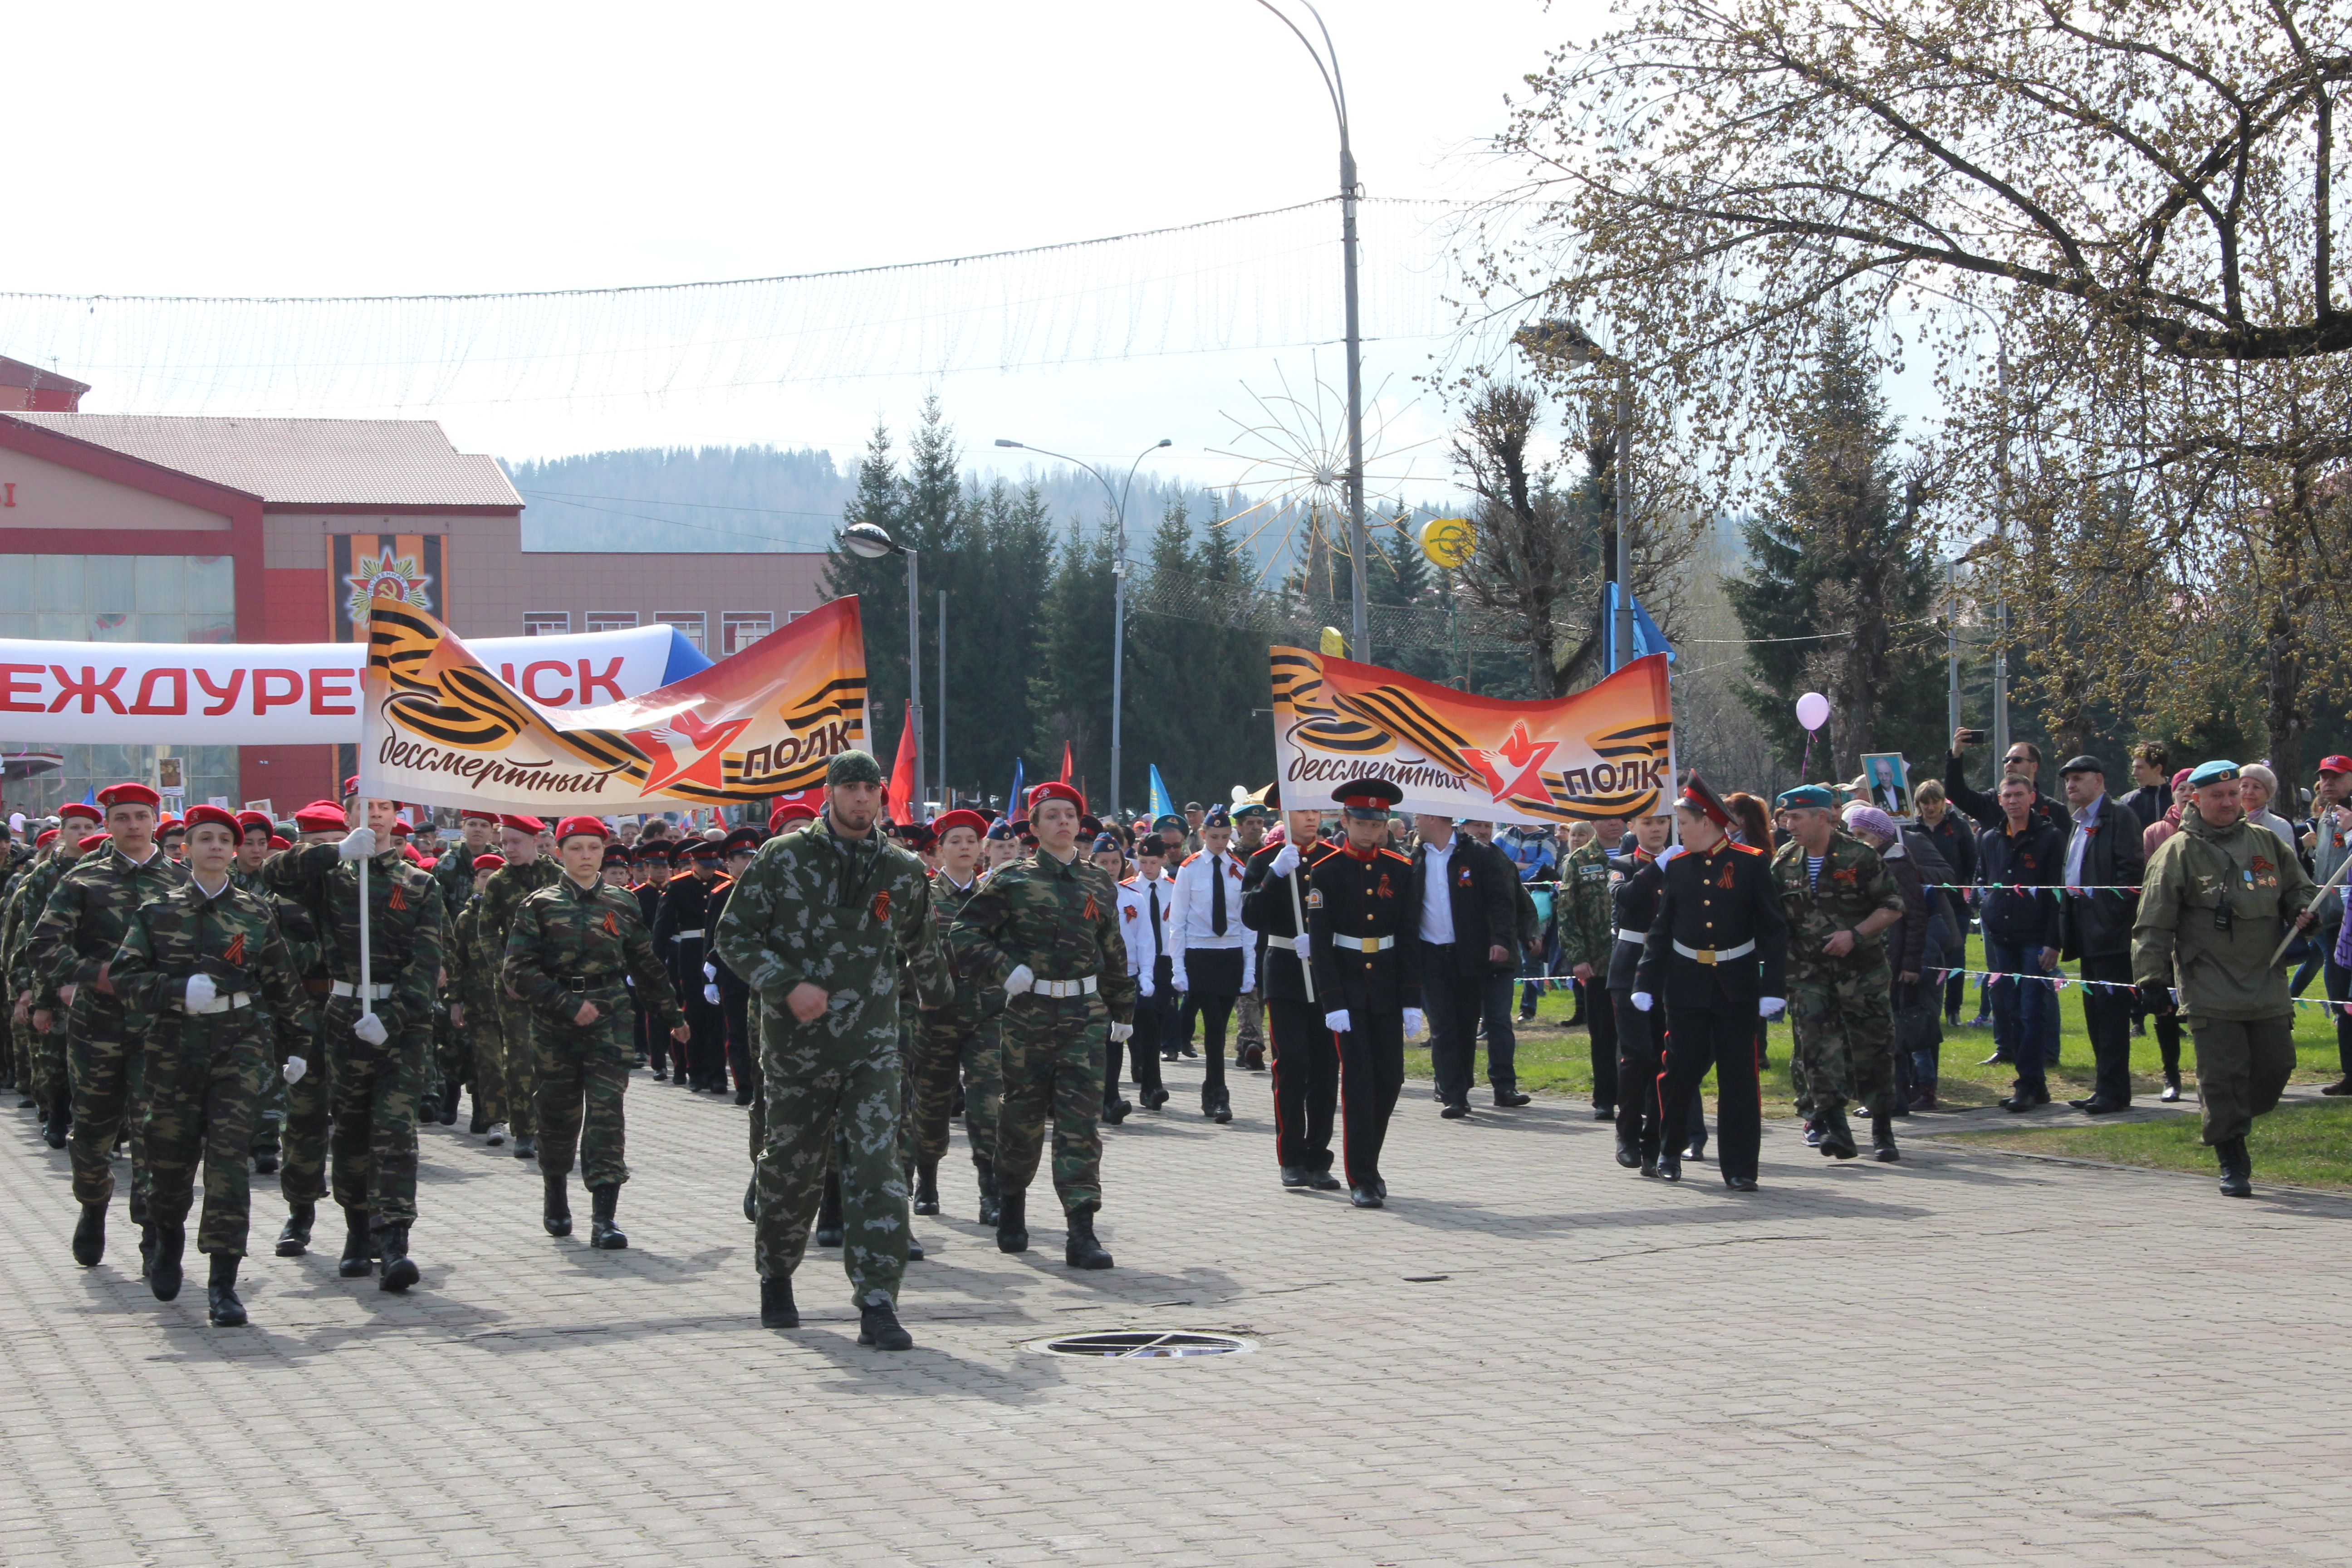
x=372, y=993
x=1715, y=954
x=1635, y=937
x=221, y=1003
x=1085, y=988
x=682, y=935
x=1365, y=943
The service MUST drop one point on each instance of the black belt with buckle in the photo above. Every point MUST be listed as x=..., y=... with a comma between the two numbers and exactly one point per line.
x=584, y=982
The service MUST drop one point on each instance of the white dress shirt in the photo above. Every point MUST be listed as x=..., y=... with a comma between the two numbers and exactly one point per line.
x=1436, y=897
x=1187, y=918
x=1145, y=940
x=2086, y=818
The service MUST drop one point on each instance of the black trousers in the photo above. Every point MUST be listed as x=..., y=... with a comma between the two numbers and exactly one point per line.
x=1305, y=1067
x=1641, y=1065
x=2337, y=982
x=742, y=1050
x=1453, y=1001
x=1601, y=1016
x=704, y=1052
x=1371, y=1075
x=1723, y=1037
x=1214, y=974
x=1143, y=1049
x=2107, y=1018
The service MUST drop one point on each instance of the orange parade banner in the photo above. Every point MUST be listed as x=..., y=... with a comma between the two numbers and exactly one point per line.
x=441, y=730
x=1606, y=750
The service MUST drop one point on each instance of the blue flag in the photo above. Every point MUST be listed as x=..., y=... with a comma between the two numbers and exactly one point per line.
x=1162, y=803
x=1013, y=801
x=1647, y=638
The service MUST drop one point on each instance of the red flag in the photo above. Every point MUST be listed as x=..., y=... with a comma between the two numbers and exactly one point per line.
x=1066, y=762
x=904, y=807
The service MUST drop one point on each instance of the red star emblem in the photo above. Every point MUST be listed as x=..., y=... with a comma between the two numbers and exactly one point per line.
x=1521, y=753
x=689, y=750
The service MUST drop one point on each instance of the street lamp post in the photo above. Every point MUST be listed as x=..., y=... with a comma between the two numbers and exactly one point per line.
x=1570, y=343
x=869, y=541
x=1326, y=65
x=1119, y=584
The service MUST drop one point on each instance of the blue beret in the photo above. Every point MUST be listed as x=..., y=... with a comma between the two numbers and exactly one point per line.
x=2218, y=770
x=1805, y=797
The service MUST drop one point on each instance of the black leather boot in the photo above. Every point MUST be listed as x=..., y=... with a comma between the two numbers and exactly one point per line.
x=1217, y=1105
x=877, y=1325
x=449, y=1093
x=603, y=1233
x=295, y=1239
x=555, y=1214
x=526, y=1147
x=146, y=1247
x=163, y=1270
x=355, y=1264
x=927, y=1187
x=1837, y=1137
x=1082, y=1250
x=222, y=1309
x=1629, y=1151
x=776, y=1307
x=59, y=1126
x=400, y=1270
x=479, y=1124
x=1013, y=1221
x=1882, y=1139
x=2237, y=1168
x=828, y=1213
x=990, y=1202
x=265, y=1162
x=90, y=1235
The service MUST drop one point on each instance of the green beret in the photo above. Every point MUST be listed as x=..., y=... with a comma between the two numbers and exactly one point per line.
x=1805, y=797
x=853, y=767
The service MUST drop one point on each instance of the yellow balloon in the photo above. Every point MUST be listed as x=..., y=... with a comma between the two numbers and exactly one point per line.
x=1333, y=643
x=1448, y=541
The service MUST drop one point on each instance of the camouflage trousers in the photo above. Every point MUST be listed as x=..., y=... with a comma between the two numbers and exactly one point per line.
x=41, y=1070
x=487, y=1023
x=302, y=1173
x=1249, y=1013
x=269, y=1114
x=203, y=1088
x=107, y=1062
x=580, y=1078
x=834, y=1102
x=453, y=1054
x=1843, y=1021
x=518, y=1031
x=1053, y=1048
x=372, y=1143
x=956, y=1048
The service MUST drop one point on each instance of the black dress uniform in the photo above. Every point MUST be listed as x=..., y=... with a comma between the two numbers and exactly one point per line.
x=1718, y=944
x=1641, y=1037
x=681, y=936
x=1305, y=1054
x=1363, y=912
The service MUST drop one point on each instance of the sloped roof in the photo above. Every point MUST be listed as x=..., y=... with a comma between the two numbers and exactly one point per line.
x=301, y=462
x=16, y=373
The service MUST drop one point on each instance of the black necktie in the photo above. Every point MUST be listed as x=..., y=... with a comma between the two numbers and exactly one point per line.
x=1155, y=917
x=1217, y=895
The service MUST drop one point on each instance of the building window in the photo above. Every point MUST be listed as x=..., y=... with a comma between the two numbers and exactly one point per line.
x=744, y=627
x=612, y=620
x=791, y=616
x=546, y=622
x=690, y=622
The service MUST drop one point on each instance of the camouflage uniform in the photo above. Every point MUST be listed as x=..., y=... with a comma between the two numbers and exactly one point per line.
x=1840, y=1009
x=961, y=1040
x=44, y=1054
x=840, y=914
x=302, y=938
x=373, y=1144
x=1062, y=921
x=508, y=1019
x=80, y=930
x=469, y=987
x=568, y=945
x=1580, y=918
x=205, y=1071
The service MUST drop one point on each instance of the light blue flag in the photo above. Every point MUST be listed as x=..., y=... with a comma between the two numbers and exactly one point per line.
x=1647, y=637
x=1162, y=803
x=1013, y=801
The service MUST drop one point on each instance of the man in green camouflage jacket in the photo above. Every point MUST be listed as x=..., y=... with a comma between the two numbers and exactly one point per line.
x=573, y=953
x=818, y=927
x=50, y=1085
x=959, y=1042
x=1839, y=897
x=1580, y=915
x=1045, y=929
x=526, y=871
x=206, y=961
x=471, y=993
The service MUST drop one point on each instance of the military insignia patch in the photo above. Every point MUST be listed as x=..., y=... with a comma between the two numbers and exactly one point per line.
x=882, y=907
x=1314, y=897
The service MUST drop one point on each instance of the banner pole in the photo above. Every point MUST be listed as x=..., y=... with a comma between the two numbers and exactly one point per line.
x=1298, y=920
x=366, y=985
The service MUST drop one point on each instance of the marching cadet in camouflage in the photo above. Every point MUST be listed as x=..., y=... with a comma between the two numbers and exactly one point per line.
x=573, y=954
x=1839, y=897
x=254, y=830
x=310, y=1100
x=1045, y=929
x=44, y=1047
x=526, y=871
x=959, y=1041
x=1587, y=939
x=455, y=871
x=472, y=991
x=72, y=949
x=376, y=1055
x=207, y=960
x=817, y=927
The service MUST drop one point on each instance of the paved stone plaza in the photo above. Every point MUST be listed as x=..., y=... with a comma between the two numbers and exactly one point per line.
x=1530, y=1356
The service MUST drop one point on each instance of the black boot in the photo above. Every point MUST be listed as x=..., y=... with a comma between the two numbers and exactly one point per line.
x=90, y=1235
x=556, y=1212
x=1013, y=1221
x=990, y=1204
x=265, y=1162
x=927, y=1187
x=146, y=1247
x=526, y=1147
x=479, y=1122
x=222, y=1309
x=776, y=1309
x=1082, y=1250
x=603, y=1233
x=751, y=1200
x=295, y=1239
x=163, y=1271
x=1115, y=1109
x=828, y=1213
x=1216, y=1104
x=1882, y=1139
x=2237, y=1168
x=877, y=1325
x=449, y=1103
x=355, y=1264
x=1629, y=1150
x=1837, y=1137
x=60, y=1124
x=400, y=1270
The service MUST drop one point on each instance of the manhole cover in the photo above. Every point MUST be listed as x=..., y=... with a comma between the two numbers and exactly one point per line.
x=1144, y=1344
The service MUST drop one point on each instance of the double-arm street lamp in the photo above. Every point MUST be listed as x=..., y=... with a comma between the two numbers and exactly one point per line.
x=870, y=541
x=1118, y=581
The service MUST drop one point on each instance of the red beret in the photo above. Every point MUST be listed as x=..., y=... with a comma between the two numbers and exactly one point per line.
x=127, y=793
x=402, y=829
x=219, y=816
x=478, y=817
x=80, y=808
x=1055, y=789
x=277, y=843
x=960, y=818
x=523, y=823
x=409, y=852
x=573, y=827
x=248, y=819
x=793, y=812
x=321, y=817
x=352, y=785
x=167, y=822
x=488, y=862
x=90, y=841
x=47, y=836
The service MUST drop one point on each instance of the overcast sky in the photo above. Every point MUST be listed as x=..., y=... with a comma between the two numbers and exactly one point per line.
x=337, y=150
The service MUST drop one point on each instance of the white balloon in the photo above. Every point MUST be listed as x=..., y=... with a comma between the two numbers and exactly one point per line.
x=1812, y=710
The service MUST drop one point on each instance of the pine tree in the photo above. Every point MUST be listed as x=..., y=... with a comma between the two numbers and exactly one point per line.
x=881, y=586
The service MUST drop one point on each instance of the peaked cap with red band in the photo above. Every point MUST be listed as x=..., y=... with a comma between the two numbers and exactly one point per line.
x=1055, y=789
x=1697, y=796
x=1370, y=798
x=128, y=793
x=218, y=816
x=574, y=827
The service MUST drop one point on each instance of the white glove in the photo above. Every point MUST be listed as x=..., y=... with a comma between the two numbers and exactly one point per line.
x=1769, y=1006
x=1019, y=980
x=1337, y=1023
x=1143, y=983
x=1303, y=945
x=294, y=1068
x=1122, y=1033
x=1642, y=1001
x=1413, y=1022
x=370, y=1028
x=1178, y=978
x=357, y=845
x=710, y=972
x=201, y=991
x=710, y=994
x=1668, y=853
x=1286, y=860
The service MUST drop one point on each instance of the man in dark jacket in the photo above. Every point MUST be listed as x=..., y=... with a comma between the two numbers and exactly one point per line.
x=2022, y=931
x=2023, y=761
x=2103, y=859
x=1466, y=909
x=2151, y=768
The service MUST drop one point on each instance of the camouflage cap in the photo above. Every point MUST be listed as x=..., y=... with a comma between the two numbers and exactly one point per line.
x=853, y=767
